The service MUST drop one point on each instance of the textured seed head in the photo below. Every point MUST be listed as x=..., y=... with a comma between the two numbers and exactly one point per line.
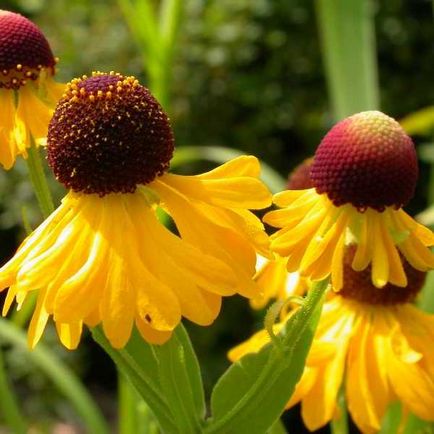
x=107, y=135
x=358, y=284
x=367, y=160
x=24, y=51
x=299, y=178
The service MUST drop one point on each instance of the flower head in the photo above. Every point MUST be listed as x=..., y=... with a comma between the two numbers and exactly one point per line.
x=271, y=275
x=373, y=342
x=363, y=172
x=27, y=66
x=103, y=256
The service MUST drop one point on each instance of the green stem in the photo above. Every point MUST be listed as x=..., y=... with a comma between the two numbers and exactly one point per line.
x=340, y=425
x=127, y=406
x=8, y=403
x=273, y=369
x=39, y=181
x=65, y=380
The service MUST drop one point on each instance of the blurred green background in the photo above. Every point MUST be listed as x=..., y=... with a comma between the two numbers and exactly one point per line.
x=247, y=75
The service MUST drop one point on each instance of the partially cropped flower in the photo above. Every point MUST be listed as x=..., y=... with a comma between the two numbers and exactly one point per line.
x=364, y=172
x=275, y=282
x=28, y=91
x=272, y=276
x=375, y=344
x=103, y=256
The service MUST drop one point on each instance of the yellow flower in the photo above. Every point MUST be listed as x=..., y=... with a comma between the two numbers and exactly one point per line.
x=103, y=256
x=364, y=171
x=373, y=342
x=275, y=282
x=28, y=91
x=271, y=275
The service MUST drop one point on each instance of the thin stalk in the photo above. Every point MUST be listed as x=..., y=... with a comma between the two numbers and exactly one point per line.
x=8, y=403
x=39, y=181
x=127, y=397
x=340, y=425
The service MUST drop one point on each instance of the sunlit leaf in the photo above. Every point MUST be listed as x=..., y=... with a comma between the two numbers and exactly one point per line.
x=252, y=393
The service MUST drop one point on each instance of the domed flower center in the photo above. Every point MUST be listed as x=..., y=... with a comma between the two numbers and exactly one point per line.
x=24, y=51
x=107, y=135
x=358, y=284
x=366, y=160
x=299, y=178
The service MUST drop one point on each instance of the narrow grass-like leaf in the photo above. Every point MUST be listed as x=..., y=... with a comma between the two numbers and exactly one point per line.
x=8, y=403
x=64, y=379
x=252, y=393
x=349, y=52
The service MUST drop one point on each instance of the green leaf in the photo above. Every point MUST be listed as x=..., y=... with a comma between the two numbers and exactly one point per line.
x=167, y=377
x=181, y=381
x=420, y=122
x=277, y=428
x=426, y=298
x=426, y=152
x=348, y=40
x=415, y=425
x=252, y=393
x=392, y=419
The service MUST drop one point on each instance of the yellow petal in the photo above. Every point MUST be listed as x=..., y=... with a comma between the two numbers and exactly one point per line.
x=33, y=112
x=244, y=165
x=234, y=192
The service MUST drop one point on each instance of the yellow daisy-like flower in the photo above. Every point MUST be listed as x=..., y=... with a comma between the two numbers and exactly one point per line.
x=364, y=171
x=28, y=91
x=375, y=343
x=103, y=256
x=272, y=276
x=275, y=282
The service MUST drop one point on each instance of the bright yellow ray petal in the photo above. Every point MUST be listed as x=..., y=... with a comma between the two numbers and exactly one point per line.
x=244, y=165
x=363, y=255
x=8, y=146
x=234, y=192
x=33, y=112
x=410, y=382
x=366, y=408
x=217, y=241
x=151, y=335
x=287, y=197
x=38, y=322
x=69, y=334
x=380, y=259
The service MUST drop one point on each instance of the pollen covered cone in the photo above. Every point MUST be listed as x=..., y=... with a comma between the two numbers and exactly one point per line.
x=28, y=91
x=103, y=257
x=363, y=172
x=271, y=275
x=375, y=343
